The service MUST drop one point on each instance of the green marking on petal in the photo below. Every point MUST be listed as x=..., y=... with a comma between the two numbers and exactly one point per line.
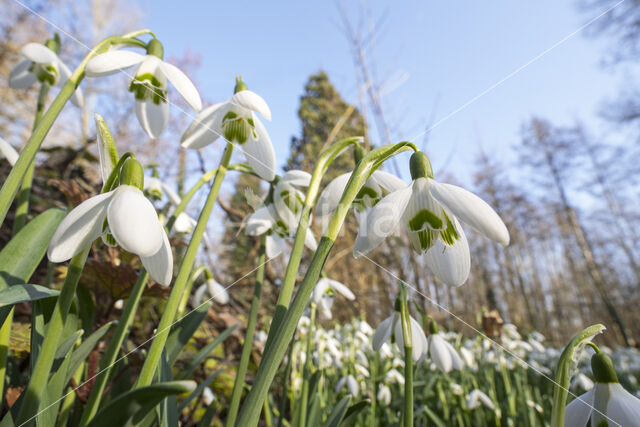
x=45, y=73
x=427, y=238
x=423, y=217
x=237, y=128
x=449, y=235
x=147, y=87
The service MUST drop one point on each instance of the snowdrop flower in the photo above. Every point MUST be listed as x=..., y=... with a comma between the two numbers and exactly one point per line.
x=235, y=120
x=467, y=356
x=361, y=370
x=118, y=304
x=365, y=328
x=41, y=63
x=612, y=403
x=8, y=152
x=384, y=394
x=394, y=377
x=207, y=396
x=393, y=325
x=443, y=355
x=324, y=293
x=429, y=211
x=131, y=220
x=217, y=292
x=276, y=217
x=456, y=389
x=149, y=84
x=477, y=398
x=351, y=383
x=157, y=188
x=378, y=185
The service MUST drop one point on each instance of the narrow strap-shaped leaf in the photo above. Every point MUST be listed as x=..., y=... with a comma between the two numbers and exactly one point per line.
x=23, y=293
x=169, y=405
x=195, y=393
x=315, y=411
x=338, y=412
x=354, y=410
x=182, y=332
x=132, y=407
x=204, y=353
x=82, y=352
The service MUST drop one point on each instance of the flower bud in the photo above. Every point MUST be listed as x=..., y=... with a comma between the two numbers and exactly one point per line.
x=155, y=48
x=132, y=173
x=603, y=370
x=420, y=166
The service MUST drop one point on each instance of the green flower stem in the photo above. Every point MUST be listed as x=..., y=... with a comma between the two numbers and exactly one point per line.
x=273, y=355
x=408, y=359
x=563, y=372
x=14, y=180
x=168, y=316
x=111, y=353
x=40, y=374
x=22, y=209
x=306, y=373
x=291, y=272
x=239, y=383
x=374, y=389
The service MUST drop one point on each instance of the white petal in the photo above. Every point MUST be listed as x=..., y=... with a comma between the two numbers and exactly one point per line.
x=259, y=153
x=184, y=223
x=382, y=219
x=182, y=84
x=134, y=223
x=275, y=245
x=297, y=177
x=65, y=74
x=252, y=101
x=623, y=408
x=383, y=332
x=331, y=195
x=198, y=295
x=451, y=264
x=352, y=386
x=320, y=290
x=21, y=77
x=439, y=353
x=389, y=182
x=111, y=62
x=79, y=228
x=259, y=222
x=160, y=265
x=152, y=117
x=206, y=128
x=218, y=292
x=8, y=152
x=417, y=336
x=286, y=214
x=341, y=289
x=310, y=241
x=471, y=210
x=577, y=412
x=39, y=53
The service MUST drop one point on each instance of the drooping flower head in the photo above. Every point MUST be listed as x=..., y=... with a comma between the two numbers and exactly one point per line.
x=441, y=352
x=392, y=327
x=8, y=152
x=149, y=83
x=216, y=291
x=235, y=120
x=325, y=292
x=429, y=211
x=41, y=63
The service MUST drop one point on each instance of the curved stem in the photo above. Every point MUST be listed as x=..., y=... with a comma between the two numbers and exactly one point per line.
x=168, y=316
x=40, y=374
x=239, y=383
x=250, y=413
x=14, y=180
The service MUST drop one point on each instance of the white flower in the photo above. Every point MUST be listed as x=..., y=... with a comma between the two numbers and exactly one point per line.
x=384, y=394
x=324, y=293
x=149, y=83
x=236, y=121
x=42, y=64
x=8, y=152
x=394, y=377
x=351, y=383
x=207, y=396
x=467, y=356
x=429, y=211
x=217, y=292
x=157, y=188
x=613, y=403
x=131, y=219
x=393, y=325
x=275, y=218
x=456, y=389
x=443, y=355
x=378, y=185
x=477, y=398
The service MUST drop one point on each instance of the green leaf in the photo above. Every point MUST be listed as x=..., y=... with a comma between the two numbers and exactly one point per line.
x=22, y=293
x=82, y=352
x=338, y=412
x=354, y=410
x=130, y=409
x=21, y=256
x=182, y=332
x=204, y=352
x=198, y=390
x=169, y=405
x=315, y=411
x=434, y=417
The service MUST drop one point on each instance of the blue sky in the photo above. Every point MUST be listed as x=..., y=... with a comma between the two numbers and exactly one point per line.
x=443, y=55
